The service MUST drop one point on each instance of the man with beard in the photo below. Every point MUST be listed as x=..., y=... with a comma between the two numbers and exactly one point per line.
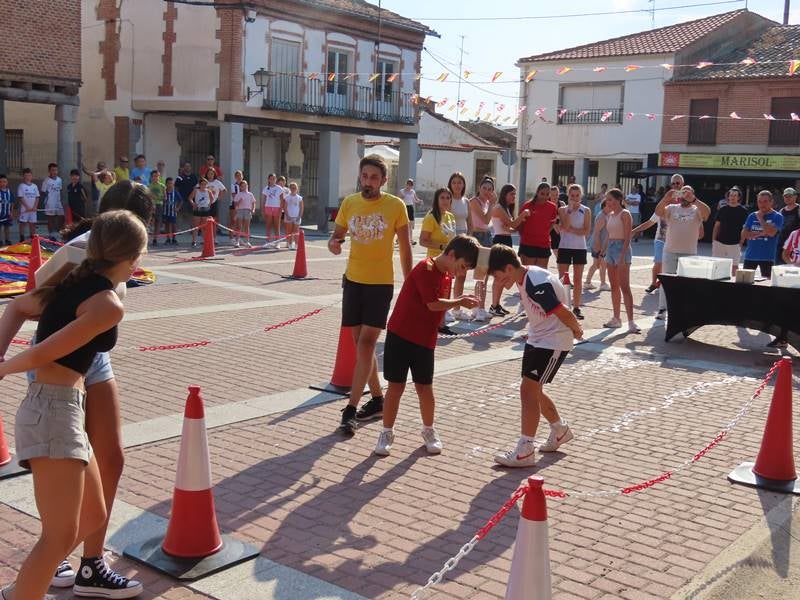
x=372, y=219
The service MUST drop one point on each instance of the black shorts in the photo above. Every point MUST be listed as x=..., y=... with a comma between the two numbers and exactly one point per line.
x=533, y=251
x=503, y=239
x=365, y=304
x=571, y=256
x=202, y=213
x=410, y=211
x=765, y=266
x=6, y=222
x=541, y=364
x=400, y=356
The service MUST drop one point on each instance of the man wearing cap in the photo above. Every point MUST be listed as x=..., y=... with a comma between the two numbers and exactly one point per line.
x=121, y=170
x=211, y=164
x=791, y=220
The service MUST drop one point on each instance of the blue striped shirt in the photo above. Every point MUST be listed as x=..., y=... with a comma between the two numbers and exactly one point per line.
x=171, y=200
x=6, y=203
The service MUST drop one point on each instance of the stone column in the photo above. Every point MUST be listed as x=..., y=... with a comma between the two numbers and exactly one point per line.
x=328, y=180
x=407, y=167
x=66, y=116
x=231, y=150
x=582, y=172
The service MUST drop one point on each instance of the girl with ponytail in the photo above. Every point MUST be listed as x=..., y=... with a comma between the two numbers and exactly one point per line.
x=79, y=319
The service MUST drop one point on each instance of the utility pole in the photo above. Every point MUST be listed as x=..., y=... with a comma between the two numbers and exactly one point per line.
x=786, y=12
x=460, y=74
x=653, y=14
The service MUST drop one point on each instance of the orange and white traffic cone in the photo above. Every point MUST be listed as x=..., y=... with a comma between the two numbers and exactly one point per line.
x=8, y=468
x=34, y=262
x=193, y=546
x=529, y=578
x=774, y=467
x=300, y=268
x=209, y=250
x=342, y=378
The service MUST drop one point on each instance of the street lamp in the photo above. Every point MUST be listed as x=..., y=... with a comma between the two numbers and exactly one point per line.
x=261, y=78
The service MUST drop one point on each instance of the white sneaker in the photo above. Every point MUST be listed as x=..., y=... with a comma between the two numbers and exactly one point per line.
x=248, y=245
x=559, y=434
x=432, y=442
x=613, y=324
x=662, y=314
x=523, y=455
x=588, y=285
x=64, y=576
x=385, y=441
x=236, y=244
x=460, y=314
x=633, y=327
x=448, y=317
x=480, y=314
x=604, y=287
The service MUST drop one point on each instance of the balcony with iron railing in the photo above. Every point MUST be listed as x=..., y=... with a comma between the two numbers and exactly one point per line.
x=591, y=116
x=338, y=98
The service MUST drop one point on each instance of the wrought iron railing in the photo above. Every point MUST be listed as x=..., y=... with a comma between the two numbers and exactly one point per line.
x=590, y=116
x=338, y=98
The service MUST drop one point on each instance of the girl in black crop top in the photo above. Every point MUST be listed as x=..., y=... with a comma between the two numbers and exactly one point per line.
x=79, y=319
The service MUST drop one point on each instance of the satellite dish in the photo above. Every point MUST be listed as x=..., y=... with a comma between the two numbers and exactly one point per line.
x=509, y=157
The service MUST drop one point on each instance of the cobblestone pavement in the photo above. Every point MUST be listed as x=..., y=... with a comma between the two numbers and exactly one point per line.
x=332, y=517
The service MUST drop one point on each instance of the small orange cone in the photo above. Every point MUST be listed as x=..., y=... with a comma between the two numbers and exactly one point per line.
x=774, y=467
x=193, y=531
x=300, y=268
x=342, y=378
x=68, y=216
x=193, y=547
x=5, y=455
x=34, y=262
x=529, y=578
x=208, y=239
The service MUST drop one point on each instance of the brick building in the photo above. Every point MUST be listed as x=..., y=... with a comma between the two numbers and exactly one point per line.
x=40, y=64
x=752, y=151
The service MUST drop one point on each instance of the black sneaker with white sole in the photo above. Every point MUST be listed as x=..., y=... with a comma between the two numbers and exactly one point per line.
x=349, y=423
x=95, y=579
x=372, y=409
x=64, y=576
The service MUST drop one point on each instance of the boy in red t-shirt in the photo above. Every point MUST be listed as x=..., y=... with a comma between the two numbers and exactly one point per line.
x=412, y=331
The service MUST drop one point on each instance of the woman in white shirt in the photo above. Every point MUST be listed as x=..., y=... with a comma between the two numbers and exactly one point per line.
x=457, y=184
x=271, y=209
x=410, y=198
x=292, y=204
x=244, y=206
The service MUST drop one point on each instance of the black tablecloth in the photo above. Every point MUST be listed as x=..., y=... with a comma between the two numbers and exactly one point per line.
x=692, y=303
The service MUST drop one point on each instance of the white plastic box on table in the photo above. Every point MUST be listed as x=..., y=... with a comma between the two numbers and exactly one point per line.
x=57, y=267
x=705, y=267
x=787, y=276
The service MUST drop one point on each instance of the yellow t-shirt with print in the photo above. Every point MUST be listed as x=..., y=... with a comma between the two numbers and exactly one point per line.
x=441, y=233
x=371, y=225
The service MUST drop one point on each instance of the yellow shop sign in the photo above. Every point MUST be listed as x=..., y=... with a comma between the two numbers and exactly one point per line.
x=768, y=162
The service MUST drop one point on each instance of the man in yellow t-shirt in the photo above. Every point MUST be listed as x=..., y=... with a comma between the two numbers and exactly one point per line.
x=121, y=171
x=373, y=220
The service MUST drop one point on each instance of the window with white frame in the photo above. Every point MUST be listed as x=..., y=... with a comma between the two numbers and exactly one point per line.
x=338, y=64
x=384, y=87
x=591, y=103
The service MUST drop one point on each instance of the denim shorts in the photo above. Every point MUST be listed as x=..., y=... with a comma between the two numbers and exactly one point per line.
x=99, y=371
x=658, y=251
x=484, y=237
x=51, y=423
x=614, y=253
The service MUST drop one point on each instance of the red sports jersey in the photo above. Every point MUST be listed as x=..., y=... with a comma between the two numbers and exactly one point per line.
x=535, y=231
x=411, y=318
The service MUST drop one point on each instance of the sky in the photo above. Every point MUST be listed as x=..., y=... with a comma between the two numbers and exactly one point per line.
x=500, y=36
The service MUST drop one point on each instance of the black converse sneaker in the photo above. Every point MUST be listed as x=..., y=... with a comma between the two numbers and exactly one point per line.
x=65, y=575
x=95, y=579
x=349, y=423
x=372, y=409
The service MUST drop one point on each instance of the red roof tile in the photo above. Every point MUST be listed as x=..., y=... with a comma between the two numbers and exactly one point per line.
x=664, y=40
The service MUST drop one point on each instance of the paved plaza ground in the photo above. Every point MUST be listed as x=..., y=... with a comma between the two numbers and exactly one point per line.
x=334, y=521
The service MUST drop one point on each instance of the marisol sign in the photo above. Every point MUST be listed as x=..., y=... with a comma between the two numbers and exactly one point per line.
x=772, y=162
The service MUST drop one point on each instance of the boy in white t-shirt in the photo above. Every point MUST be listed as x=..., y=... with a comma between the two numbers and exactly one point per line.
x=551, y=329
x=28, y=198
x=293, y=215
x=245, y=204
x=53, y=208
x=410, y=198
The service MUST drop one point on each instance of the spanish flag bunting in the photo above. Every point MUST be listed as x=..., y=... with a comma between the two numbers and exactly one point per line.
x=467, y=74
x=441, y=102
x=331, y=76
x=734, y=115
x=313, y=75
x=793, y=66
x=463, y=111
x=461, y=103
x=393, y=77
x=630, y=68
x=373, y=77
x=531, y=74
x=748, y=61
x=794, y=117
x=562, y=112
x=703, y=64
x=501, y=107
x=506, y=119
x=349, y=76
x=629, y=116
x=599, y=69
x=651, y=116
x=563, y=70
x=442, y=77
x=668, y=66
x=703, y=117
x=481, y=105
x=451, y=108
x=769, y=117
x=539, y=112
x=496, y=76
x=676, y=117
x=605, y=116
x=521, y=109
x=582, y=114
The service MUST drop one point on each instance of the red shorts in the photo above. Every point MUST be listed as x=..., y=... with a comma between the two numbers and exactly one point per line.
x=272, y=211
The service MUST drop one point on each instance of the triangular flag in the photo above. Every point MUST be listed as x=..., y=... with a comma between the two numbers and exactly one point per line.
x=769, y=117
x=793, y=66
x=735, y=116
x=521, y=109
x=373, y=77
x=418, y=76
x=629, y=116
x=393, y=77
x=496, y=76
x=676, y=117
x=605, y=116
x=507, y=119
x=582, y=114
x=563, y=70
x=451, y=108
x=442, y=102
x=500, y=107
x=531, y=74
x=651, y=116
x=599, y=69
x=748, y=61
x=561, y=113
x=331, y=76
x=313, y=75
x=442, y=77
x=463, y=111
x=794, y=117
x=349, y=76
x=461, y=103
x=467, y=74
x=703, y=64
x=481, y=105
x=539, y=112
x=630, y=68
x=703, y=117
x=516, y=121
x=668, y=66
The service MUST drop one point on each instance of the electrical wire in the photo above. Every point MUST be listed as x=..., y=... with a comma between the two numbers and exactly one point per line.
x=467, y=81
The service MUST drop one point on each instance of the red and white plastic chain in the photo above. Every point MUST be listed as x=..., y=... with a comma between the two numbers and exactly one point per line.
x=480, y=331
x=467, y=548
x=236, y=232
